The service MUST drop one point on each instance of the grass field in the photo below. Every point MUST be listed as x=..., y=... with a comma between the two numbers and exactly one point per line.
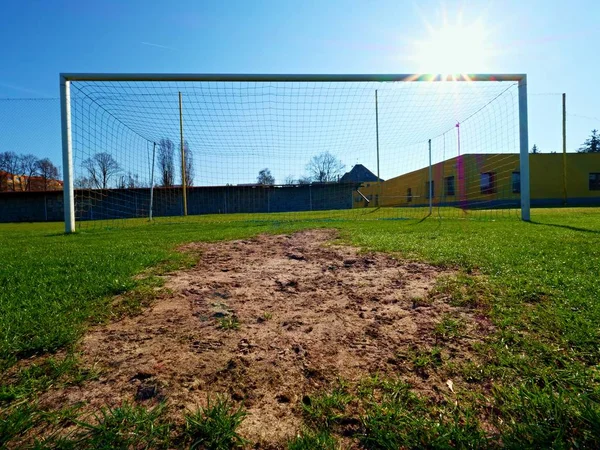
x=536, y=382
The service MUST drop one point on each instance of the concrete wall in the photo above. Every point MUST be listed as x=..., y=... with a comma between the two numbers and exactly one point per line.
x=130, y=203
x=31, y=206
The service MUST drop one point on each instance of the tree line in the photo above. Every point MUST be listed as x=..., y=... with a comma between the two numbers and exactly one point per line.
x=103, y=171
x=591, y=145
x=27, y=173
x=321, y=168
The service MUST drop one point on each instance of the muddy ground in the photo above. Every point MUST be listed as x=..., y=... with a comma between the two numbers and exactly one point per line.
x=266, y=321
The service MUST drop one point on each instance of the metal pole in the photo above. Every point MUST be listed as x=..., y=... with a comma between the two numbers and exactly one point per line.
x=461, y=182
x=152, y=181
x=377, y=138
x=524, y=151
x=67, y=150
x=183, y=180
x=564, y=136
x=291, y=77
x=430, y=181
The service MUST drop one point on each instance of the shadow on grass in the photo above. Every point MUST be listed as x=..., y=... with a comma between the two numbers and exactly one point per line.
x=566, y=227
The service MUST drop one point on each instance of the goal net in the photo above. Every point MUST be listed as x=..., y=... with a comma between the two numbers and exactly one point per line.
x=292, y=147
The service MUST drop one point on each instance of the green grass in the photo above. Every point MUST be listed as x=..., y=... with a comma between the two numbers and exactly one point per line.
x=536, y=379
x=215, y=426
x=324, y=409
x=229, y=323
x=311, y=440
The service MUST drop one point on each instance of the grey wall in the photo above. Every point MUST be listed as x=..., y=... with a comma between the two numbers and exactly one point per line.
x=31, y=206
x=129, y=203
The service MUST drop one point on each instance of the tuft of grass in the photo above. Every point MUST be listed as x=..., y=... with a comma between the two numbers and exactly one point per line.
x=133, y=302
x=313, y=440
x=423, y=359
x=449, y=328
x=267, y=315
x=215, y=426
x=324, y=409
x=124, y=427
x=14, y=422
x=229, y=323
x=39, y=376
x=464, y=290
x=406, y=421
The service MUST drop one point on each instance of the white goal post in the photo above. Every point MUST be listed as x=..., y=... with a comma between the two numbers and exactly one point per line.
x=66, y=80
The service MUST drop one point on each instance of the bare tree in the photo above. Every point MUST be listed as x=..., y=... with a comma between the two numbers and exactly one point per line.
x=129, y=181
x=324, y=168
x=47, y=171
x=28, y=165
x=4, y=171
x=166, y=162
x=189, y=164
x=101, y=168
x=304, y=180
x=10, y=165
x=265, y=177
x=289, y=180
x=84, y=183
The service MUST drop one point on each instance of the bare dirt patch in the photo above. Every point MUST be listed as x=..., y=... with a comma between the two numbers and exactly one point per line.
x=268, y=320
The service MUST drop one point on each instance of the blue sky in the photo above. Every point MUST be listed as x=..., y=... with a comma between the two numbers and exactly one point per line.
x=555, y=43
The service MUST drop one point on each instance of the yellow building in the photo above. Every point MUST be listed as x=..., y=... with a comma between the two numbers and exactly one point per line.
x=490, y=181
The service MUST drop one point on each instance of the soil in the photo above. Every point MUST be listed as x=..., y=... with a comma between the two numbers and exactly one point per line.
x=266, y=321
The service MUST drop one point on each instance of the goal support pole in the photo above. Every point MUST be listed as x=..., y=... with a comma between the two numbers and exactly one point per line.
x=183, y=179
x=377, y=139
x=524, y=150
x=152, y=181
x=67, y=151
x=430, y=187
x=564, y=147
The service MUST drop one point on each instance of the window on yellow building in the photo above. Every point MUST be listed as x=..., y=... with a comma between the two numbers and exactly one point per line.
x=449, y=186
x=427, y=189
x=488, y=183
x=516, y=182
x=595, y=181
x=409, y=195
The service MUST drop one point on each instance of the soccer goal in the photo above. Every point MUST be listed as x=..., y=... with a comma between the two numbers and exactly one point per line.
x=285, y=147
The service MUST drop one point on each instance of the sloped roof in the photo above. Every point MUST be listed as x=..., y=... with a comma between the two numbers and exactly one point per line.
x=358, y=174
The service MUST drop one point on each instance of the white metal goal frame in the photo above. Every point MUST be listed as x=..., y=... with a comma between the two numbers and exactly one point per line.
x=67, y=143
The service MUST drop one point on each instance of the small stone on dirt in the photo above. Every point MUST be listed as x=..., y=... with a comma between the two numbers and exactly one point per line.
x=146, y=392
x=296, y=256
x=283, y=398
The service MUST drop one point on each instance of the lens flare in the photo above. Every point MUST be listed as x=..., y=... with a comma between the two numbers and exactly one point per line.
x=453, y=49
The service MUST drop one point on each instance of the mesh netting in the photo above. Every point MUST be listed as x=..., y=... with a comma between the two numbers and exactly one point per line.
x=294, y=148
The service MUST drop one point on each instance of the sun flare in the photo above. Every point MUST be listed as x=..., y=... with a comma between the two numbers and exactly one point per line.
x=453, y=49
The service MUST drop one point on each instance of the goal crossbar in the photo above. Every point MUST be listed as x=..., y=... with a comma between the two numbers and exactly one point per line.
x=231, y=77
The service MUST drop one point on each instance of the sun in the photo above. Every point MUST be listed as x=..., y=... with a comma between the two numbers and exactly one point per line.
x=453, y=48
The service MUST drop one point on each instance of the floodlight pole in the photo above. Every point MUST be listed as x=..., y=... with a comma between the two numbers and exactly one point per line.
x=67, y=150
x=152, y=181
x=183, y=180
x=564, y=142
x=430, y=181
x=524, y=151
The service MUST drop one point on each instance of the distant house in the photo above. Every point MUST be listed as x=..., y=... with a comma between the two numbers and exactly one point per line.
x=12, y=182
x=358, y=174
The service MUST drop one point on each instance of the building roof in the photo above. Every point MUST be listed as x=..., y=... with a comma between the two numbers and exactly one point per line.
x=358, y=174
